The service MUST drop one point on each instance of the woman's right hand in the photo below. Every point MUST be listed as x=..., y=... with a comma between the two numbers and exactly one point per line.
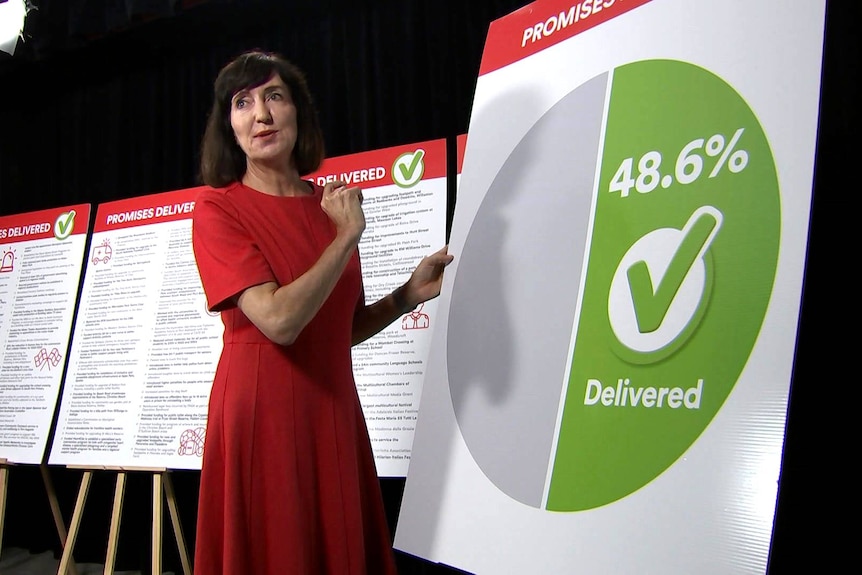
x=343, y=205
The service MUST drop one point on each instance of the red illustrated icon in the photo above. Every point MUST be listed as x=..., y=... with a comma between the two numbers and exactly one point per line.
x=102, y=253
x=192, y=441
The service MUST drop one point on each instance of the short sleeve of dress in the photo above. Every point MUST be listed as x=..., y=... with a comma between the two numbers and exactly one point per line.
x=228, y=259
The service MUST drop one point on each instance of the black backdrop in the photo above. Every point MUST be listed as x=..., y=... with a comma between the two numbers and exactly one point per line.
x=107, y=99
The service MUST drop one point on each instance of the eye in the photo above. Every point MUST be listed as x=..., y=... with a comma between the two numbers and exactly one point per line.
x=276, y=96
x=240, y=103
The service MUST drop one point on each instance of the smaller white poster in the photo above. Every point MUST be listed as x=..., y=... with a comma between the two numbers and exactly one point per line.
x=145, y=348
x=404, y=190
x=41, y=255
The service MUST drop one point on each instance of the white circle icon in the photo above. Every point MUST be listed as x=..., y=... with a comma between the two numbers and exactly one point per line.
x=672, y=262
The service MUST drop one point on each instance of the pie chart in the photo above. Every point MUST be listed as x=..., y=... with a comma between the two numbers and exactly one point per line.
x=612, y=285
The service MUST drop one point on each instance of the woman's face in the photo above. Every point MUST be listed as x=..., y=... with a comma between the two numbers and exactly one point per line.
x=263, y=119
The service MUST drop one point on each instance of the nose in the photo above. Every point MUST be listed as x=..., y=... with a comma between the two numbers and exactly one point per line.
x=261, y=112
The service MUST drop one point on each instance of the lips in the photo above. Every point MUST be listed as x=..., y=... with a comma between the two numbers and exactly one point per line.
x=265, y=133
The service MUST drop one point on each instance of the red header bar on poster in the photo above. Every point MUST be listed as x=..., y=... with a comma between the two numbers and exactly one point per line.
x=542, y=24
x=53, y=222
x=460, y=148
x=374, y=168
x=145, y=210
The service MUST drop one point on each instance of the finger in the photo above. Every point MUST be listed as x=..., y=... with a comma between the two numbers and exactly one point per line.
x=443, y=254
x=329, y=187
x=355, y=191
x=442, y=260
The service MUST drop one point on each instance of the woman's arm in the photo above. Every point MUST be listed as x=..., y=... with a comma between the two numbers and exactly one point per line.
x=424, y=284
x=281, y=312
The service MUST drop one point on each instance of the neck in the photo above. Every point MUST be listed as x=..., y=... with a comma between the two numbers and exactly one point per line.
x=275, y=182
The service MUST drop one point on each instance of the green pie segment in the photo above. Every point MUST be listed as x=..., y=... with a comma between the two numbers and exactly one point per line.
x=680, y=269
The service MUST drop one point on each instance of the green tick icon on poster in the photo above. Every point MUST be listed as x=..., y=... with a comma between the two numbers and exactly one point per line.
x=64, y=225
x=408, y=169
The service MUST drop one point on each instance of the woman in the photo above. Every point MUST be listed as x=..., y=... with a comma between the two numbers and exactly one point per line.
x=288, y=482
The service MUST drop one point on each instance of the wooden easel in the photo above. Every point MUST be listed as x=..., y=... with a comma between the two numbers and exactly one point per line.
x=161, y=484
x=4, y=483
x=52, y=501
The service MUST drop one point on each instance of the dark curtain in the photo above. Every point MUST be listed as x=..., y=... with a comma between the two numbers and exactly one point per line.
x=123, y=113
x=107, y=99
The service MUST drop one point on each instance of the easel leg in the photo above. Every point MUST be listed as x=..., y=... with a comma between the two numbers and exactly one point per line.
x=76, y=522
x=116, y=514
x=55, y=511
x=4, y=481
x=157, y=524
x=178, y=528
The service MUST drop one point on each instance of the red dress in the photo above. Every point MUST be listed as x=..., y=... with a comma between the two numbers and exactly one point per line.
x=288, y=482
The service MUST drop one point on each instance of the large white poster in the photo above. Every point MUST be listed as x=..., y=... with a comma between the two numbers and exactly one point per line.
x=404, y=191
x=607, y=385
x=41, y=257
x=145, y=348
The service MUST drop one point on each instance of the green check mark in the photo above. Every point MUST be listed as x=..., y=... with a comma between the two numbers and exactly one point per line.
x=64, y=225
x=408, y=171
x=651, y=305
x=408, y=168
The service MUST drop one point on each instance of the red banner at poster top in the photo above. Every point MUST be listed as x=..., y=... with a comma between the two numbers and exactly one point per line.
x=374, y=168
x=460, y=148
x=145, y=210
x=542, y=24
x=58, y=223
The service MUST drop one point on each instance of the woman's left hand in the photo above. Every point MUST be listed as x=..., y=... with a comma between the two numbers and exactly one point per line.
x=427, y=278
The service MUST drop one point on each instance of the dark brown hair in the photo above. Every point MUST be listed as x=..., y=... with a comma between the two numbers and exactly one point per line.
x=222, y=160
